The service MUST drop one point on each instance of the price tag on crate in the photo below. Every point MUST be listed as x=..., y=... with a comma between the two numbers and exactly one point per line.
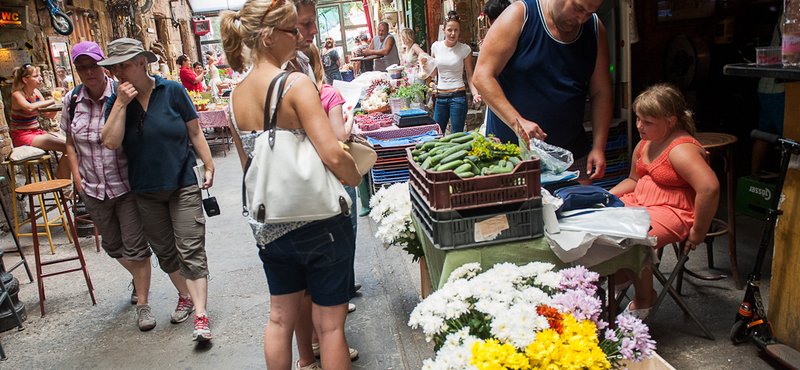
x=491, y=228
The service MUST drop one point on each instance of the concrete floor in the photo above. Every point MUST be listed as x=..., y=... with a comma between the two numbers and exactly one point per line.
x=77, y=335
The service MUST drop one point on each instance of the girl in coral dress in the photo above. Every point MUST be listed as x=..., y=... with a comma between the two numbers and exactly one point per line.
x=671, y=178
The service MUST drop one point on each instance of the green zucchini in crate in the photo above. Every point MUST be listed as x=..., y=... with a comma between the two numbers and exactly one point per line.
x=449, y=190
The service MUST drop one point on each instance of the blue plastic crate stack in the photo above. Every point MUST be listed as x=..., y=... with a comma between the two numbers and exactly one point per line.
x=618, y=160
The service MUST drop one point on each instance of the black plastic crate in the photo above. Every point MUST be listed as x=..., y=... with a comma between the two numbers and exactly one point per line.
x=455, y=229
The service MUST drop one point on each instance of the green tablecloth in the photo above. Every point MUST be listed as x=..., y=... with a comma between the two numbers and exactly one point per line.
x=442, y=263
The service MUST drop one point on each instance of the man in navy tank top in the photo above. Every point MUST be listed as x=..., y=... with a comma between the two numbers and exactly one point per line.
x=538, y=63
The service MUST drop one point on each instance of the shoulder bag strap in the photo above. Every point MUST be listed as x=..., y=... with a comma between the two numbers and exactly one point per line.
x=277, y=97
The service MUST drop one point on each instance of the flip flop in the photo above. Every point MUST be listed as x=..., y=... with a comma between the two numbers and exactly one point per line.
x=641, y=313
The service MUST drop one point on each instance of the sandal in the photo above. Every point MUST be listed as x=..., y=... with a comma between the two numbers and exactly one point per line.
x=641, y=313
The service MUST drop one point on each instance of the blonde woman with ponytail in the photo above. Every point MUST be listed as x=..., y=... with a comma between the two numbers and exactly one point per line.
x=264, y=34
x=670, y=176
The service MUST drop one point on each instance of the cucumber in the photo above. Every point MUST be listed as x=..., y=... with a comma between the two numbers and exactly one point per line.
x=514, y=160
x=463, y=168
x=426, y=164
x=498, y=170
x=422, y=157
x=429, y=144
x=483, y=171
x=415, y=158
x=501, y=163
x=416, y=152
x=435, y=160
x=457, y=155
x=472, y=159
x=458, y=148
x=462, y=139
x=453, y=136
x=465, y=174
x=510, y=165
x=419, y=145
x=449, y=165
x=474, y=167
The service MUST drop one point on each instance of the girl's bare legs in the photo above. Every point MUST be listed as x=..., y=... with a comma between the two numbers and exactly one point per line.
x=645, y=294
x=329, y=324
x=51, y=141
x=284, y=313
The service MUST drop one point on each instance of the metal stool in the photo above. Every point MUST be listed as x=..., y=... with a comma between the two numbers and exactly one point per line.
x=22, y=260
x=55, y=187
x=32, y=175
x=723, y=146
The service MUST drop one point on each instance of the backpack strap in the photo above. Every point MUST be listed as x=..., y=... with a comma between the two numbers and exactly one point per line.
x=73, y=99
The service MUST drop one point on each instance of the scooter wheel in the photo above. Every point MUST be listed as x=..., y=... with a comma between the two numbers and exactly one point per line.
x=739, y=332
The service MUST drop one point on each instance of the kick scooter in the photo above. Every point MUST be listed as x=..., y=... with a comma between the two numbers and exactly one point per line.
x=751, y=320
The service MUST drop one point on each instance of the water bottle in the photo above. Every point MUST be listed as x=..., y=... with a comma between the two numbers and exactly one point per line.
x=791, y=34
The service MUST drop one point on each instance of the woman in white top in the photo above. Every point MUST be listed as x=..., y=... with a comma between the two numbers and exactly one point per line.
x=410, y=55
x=211, y=61
x=452, y=57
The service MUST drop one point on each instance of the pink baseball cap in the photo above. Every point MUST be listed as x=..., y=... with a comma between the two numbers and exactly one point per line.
x=88, y=48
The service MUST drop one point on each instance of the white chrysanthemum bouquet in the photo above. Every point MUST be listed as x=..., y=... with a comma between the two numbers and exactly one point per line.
x=525, y=317
x=391, y=210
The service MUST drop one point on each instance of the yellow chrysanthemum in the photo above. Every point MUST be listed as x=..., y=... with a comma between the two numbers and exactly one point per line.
x=577, y=348
x=493, y=355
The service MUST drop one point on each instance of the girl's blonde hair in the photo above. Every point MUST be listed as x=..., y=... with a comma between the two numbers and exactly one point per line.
x=408, y=36
x=248, y=27
x=21, y=72
x=664, y=101
x=329, y=42
x=315, y=63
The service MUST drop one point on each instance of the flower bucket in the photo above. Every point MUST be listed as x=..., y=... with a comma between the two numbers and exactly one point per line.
x=398, y=104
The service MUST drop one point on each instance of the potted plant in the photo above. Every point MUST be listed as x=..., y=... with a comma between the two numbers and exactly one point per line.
x=404, y=94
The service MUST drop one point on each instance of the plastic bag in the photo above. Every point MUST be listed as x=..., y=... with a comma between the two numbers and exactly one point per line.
x=551, y=157
x=427, y=64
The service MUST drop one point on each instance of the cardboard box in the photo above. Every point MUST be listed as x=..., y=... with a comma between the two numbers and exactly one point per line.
x=655, y=363
x=754, y=195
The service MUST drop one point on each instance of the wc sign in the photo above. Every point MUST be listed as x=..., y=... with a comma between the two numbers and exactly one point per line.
x=13, y=16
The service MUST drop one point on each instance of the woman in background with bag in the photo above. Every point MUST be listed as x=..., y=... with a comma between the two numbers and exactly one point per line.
x=297, y=256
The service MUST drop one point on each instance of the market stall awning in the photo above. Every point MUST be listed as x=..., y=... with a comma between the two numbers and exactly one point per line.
x=204, y=6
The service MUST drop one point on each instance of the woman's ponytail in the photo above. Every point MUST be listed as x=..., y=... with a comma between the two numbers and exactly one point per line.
x=232, y=44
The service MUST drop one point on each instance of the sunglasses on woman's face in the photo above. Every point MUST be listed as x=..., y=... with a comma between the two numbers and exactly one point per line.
x=294, y=32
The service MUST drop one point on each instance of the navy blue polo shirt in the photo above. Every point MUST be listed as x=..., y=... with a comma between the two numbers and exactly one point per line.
x=159, y=155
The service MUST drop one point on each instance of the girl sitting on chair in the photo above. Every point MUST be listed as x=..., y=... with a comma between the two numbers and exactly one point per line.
x=671, y=177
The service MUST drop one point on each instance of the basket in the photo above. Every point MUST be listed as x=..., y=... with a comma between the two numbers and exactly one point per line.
x=451, y=230
x=382, y=109
x=444, y=191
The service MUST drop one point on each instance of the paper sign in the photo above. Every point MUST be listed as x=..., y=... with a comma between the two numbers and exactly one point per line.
x=491, y=228
x=351, y=93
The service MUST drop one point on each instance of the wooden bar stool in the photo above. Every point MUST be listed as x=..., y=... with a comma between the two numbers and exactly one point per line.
x=32, y=175
x=55, y=187
x=22, y=260
x=723, y=145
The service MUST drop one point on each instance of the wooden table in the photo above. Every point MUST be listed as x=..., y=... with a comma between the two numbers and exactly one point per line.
x=784, y=297
x=216, y=119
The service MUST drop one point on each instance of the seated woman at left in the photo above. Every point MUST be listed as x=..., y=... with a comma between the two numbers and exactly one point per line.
x=26, y=100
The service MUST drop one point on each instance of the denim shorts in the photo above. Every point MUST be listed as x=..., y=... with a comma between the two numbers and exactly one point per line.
x=317, y=257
